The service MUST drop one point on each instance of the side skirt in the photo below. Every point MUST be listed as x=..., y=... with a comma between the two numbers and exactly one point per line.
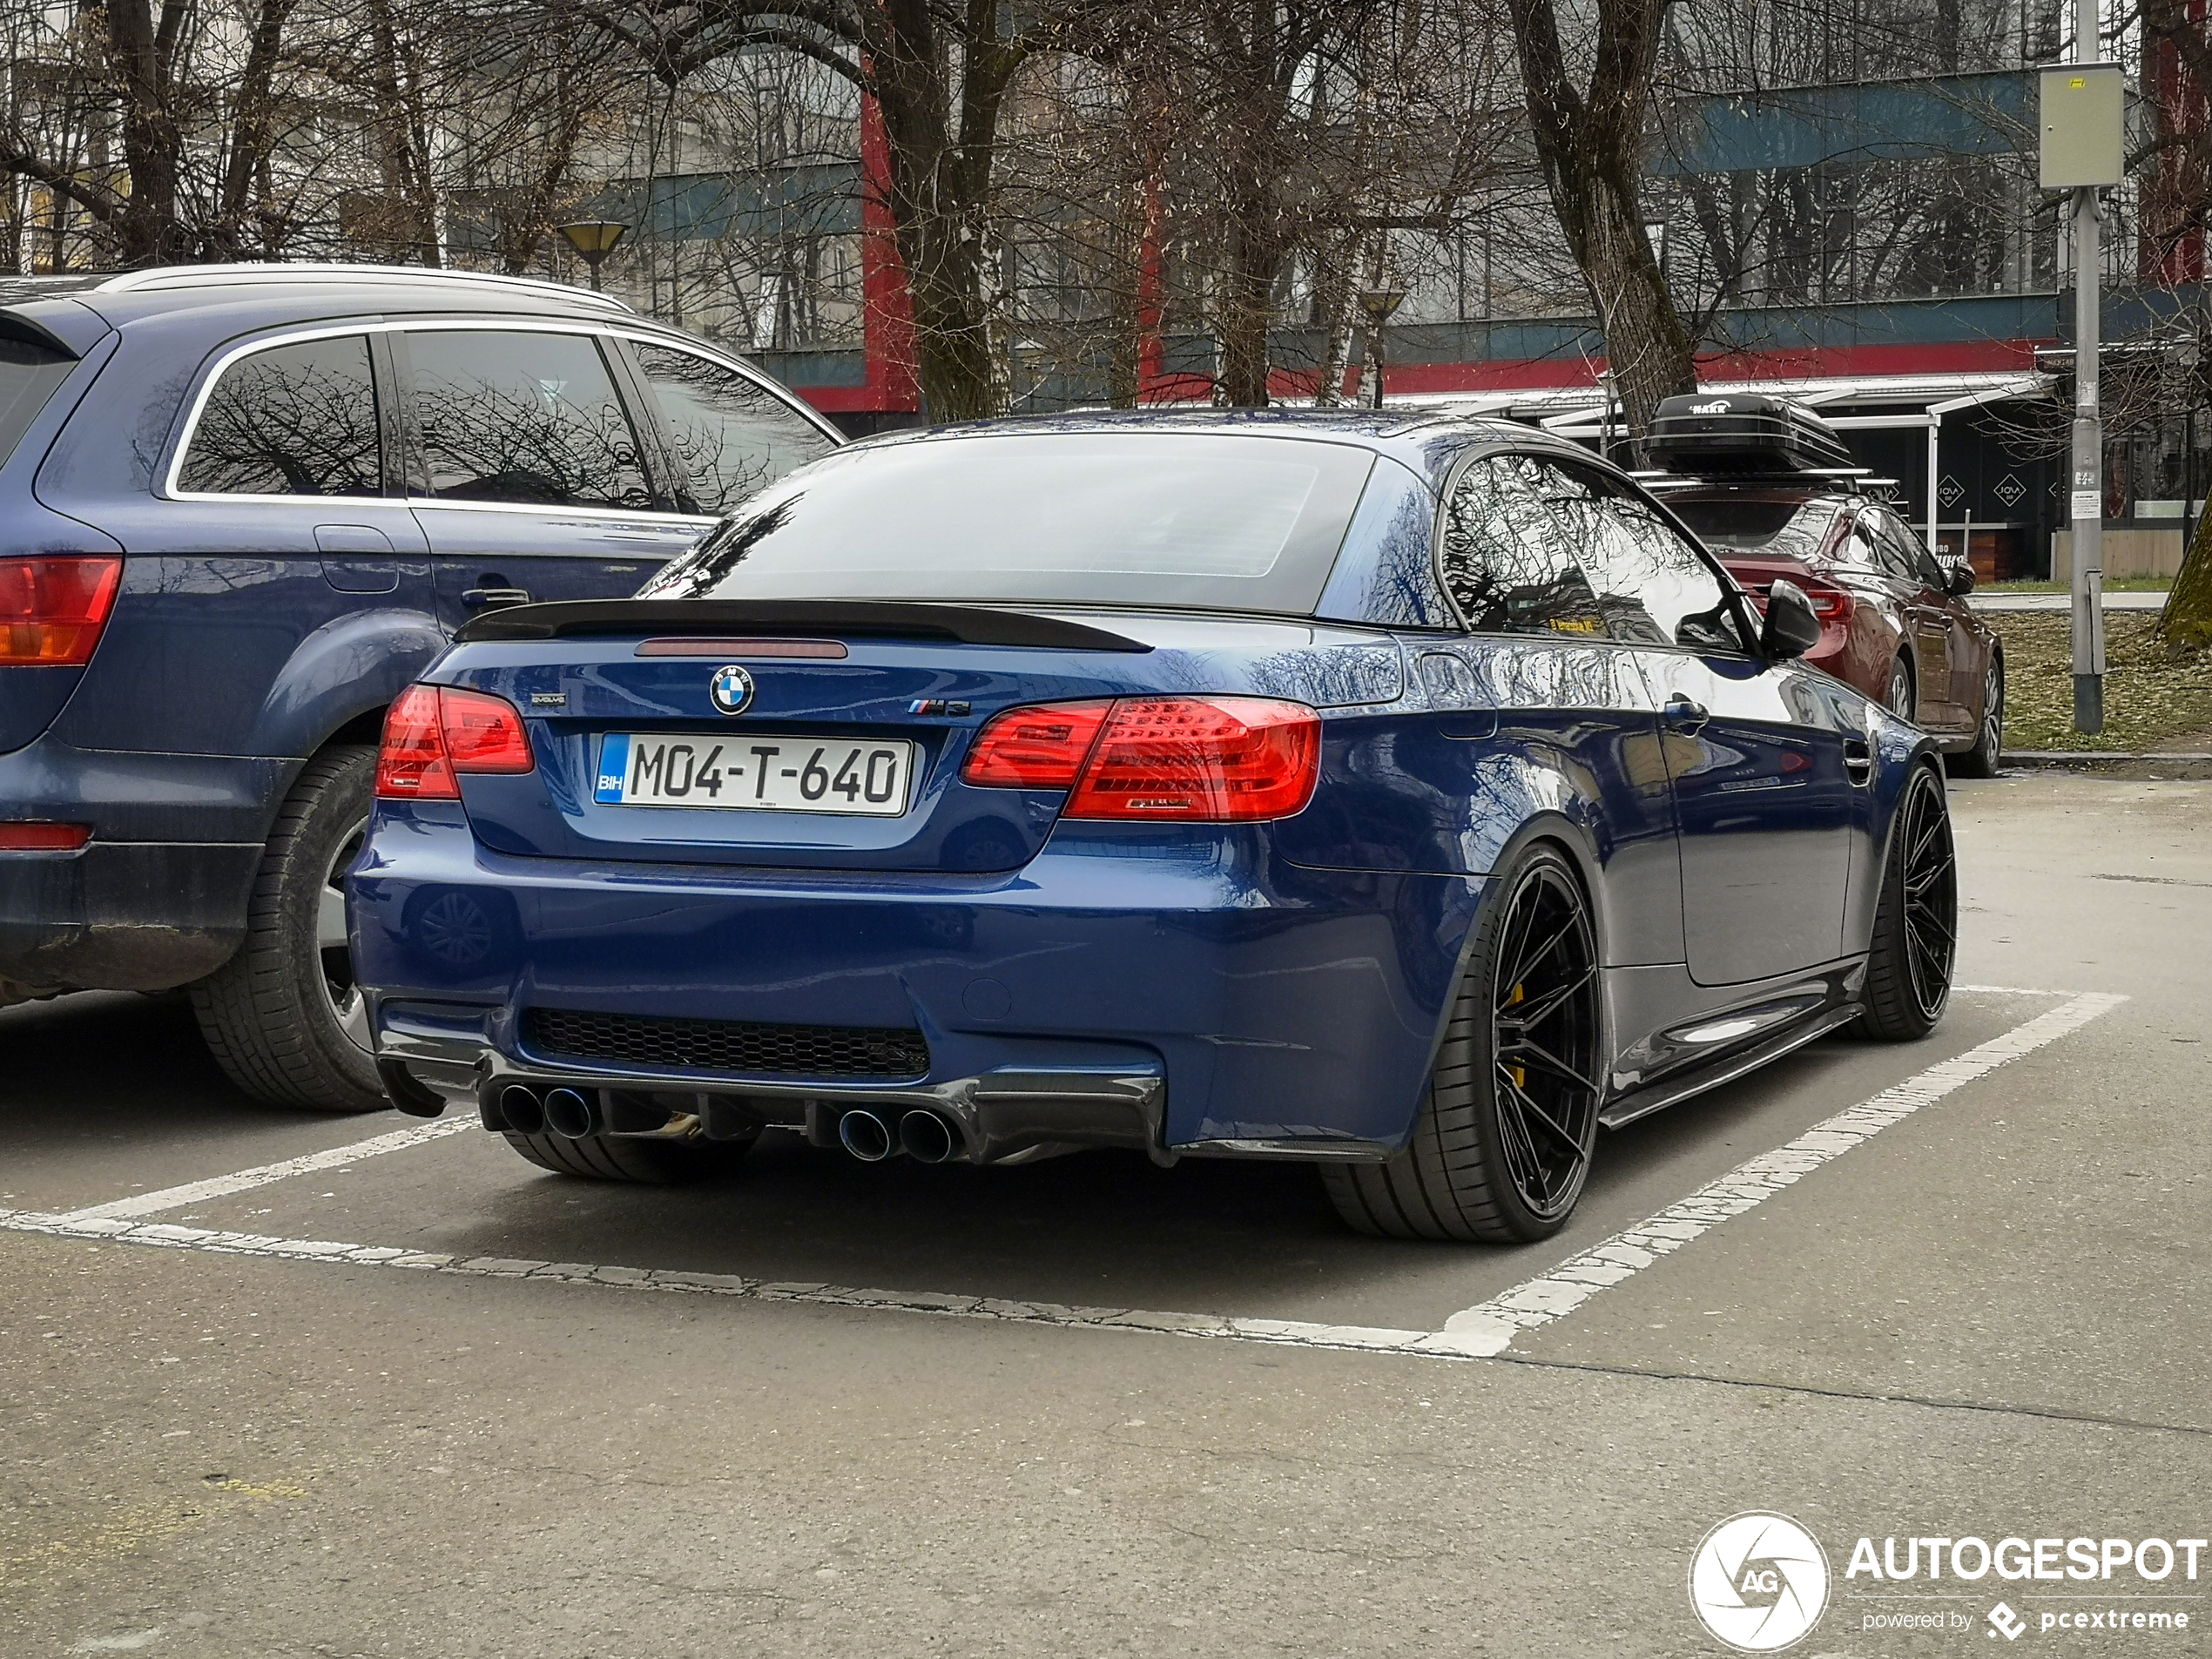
x=1723, y=1068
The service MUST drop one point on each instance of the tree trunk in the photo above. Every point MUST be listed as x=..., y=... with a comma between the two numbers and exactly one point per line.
x=1251, y=261
x=252, y=131
x=2187, y=620
x=141, y=54
x=1588, y=146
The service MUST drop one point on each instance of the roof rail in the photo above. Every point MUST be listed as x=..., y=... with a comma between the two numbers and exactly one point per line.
x=186, y=276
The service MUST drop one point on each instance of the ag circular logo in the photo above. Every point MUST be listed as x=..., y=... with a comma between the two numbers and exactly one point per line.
x=731, y=688
x=1759, y=1582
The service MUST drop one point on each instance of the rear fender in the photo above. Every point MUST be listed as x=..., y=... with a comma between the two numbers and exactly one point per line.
x=352, y=666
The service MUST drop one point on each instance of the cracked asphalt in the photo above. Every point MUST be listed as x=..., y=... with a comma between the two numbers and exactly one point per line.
x=1989, y=1320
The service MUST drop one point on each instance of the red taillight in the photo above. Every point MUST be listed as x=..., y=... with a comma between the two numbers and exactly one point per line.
x=1830, y=604
x=53, y=608
x=22, y=837
x=1211, y=759
x=433, y=732
x=1035, y=748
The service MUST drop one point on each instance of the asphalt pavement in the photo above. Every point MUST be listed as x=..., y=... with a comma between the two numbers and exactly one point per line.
x=272, y=1391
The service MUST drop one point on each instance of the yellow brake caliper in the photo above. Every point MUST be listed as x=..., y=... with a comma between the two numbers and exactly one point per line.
x=1518, y=1073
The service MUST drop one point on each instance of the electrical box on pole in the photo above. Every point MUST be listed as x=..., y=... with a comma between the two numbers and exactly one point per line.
x=2084, y=112
x=2083, y=120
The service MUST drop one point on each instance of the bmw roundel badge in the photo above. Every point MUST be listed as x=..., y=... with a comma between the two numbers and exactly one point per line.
x=731, y=689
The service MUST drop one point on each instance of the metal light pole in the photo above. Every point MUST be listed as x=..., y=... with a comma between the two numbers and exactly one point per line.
x=594, y=238
x=2081, y=120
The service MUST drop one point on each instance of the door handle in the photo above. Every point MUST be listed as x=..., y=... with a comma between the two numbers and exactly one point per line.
x=492, y=598
x=1686, y=714
x=1859, y=760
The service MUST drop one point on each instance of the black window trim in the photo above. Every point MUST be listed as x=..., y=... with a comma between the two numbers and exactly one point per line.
x=1573, y=456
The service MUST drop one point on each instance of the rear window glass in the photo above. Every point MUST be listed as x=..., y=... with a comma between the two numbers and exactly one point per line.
x=1199, y=520
x=1779, y=529
x=297, y=420
x=29, y=375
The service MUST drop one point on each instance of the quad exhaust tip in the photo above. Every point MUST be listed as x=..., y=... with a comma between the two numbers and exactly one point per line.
x=570, y=1114
x=927, y=1137
x=866, y=1137
x=520, y=1109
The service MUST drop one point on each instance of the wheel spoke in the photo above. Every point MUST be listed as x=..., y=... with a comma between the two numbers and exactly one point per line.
x=1529, y=1109
x=1525, y=1166
x=330, y=920
x=1532, y=1014
x=1549, y=1061
x=1522, y=968
x=352, y=1018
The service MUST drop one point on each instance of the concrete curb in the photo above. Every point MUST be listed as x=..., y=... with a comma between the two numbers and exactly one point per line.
x=2097, y=757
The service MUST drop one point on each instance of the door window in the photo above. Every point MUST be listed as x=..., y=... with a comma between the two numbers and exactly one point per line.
x=297, y=420
x=1509, y=560
x=1656, y=588
x=733, y=437
x=1911, y=554
x=510, y=415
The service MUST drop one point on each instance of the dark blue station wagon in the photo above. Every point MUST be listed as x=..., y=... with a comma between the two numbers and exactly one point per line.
x=241, y=507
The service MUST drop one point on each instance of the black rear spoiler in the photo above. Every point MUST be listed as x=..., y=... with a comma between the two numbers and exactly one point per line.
x=838, y=618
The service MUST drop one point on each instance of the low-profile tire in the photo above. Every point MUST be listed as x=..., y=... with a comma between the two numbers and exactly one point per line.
x=1897, y=697
x=1916, y=920
x=1502, y=1146
x=1988, y=753
x=283, y=1017
x=628, y=1157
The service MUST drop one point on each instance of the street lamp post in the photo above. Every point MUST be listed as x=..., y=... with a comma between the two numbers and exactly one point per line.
x=1378, y=303
x=593, y=239
x=2082, y=116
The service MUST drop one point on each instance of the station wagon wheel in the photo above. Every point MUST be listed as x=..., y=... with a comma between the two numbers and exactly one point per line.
x=1983, y=759
x=284, y=1016
x=348, y=1007
x=1502, y=1146
x=1898, y=699
x=1916, y=922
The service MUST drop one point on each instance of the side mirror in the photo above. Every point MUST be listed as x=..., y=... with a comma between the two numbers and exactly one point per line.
x=1792, y=627
x=1960, y=582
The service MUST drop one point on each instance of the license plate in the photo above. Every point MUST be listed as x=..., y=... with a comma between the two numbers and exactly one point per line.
x=775, y=774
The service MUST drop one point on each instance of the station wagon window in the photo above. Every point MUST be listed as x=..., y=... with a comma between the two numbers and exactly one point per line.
x=513, y=415
x=733, y=437
x=1912, y=555
x=297, y=420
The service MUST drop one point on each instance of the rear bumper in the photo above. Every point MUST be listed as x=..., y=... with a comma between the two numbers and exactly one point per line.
x=157, y=897
x=120, y=915
x=1281, y=1008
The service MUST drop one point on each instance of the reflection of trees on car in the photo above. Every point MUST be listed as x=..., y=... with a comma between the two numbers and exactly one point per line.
x=294, y=420
x=488, y=442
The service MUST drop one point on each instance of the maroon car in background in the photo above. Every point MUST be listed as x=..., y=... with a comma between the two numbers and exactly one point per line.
x=1771, y=491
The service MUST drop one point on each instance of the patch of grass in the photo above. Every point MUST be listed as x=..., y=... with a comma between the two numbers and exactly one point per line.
x=2153, y=697
x=2112, y=584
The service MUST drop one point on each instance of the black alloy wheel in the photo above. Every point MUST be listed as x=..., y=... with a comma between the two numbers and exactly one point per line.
x=1502, y=1146
x=1916, y=922
x=1987, y=754
x=1898, y=699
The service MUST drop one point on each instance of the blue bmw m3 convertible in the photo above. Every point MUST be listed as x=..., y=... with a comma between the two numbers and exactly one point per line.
x=1410, y=794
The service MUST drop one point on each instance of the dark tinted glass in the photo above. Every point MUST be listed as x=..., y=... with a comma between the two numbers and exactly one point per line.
x=1507, y=559
x=292, y=420
x=29, y=375
x=524, y=417
x=1533, y=545
x=1656, y=588
x=733, y=437
x=1187, y=519
x=1907, y=551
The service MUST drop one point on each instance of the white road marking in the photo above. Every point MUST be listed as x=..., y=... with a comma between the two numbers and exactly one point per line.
x=1486, y=1329
x=1491, y=1327
x=222, y=1186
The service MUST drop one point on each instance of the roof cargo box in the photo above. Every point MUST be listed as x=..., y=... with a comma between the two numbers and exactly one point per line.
x=1744, y=432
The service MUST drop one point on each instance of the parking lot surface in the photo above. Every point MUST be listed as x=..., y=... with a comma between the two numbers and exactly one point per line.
x=286, y=1384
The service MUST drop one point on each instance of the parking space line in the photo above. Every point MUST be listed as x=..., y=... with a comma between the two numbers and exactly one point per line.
x=1483, y=1330
x=222, y=1186
x=1491, y=1327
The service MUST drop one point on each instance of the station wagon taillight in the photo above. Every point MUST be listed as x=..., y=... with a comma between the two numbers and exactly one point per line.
x=53, y=606
x=432, y=733
x=1206, y=759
